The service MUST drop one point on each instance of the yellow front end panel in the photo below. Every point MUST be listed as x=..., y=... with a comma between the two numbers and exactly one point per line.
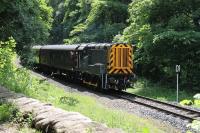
x=120, y=59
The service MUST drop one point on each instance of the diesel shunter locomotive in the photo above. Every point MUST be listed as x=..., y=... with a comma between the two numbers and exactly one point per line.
x=105, y=66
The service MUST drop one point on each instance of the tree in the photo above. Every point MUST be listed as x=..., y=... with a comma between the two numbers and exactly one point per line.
x=88, y=20
x=167, y=32
x=28, y=22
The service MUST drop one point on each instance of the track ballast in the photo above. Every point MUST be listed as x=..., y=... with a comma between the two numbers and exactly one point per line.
x=170, y=109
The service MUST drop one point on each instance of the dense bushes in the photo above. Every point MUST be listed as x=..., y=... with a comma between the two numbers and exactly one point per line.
x=6, y=52
x=17, y=79
x=167, y=32
x=88, y=21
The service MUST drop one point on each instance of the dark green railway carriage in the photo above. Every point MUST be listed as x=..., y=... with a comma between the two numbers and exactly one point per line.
x=101, y=65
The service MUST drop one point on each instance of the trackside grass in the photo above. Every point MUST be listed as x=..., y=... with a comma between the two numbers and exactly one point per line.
x=154, y=90
x=5, y=112
x=11, y=118
x=90, y=107
x=40, y=89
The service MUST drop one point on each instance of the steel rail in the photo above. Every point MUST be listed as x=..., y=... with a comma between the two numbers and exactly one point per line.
x=184, y=113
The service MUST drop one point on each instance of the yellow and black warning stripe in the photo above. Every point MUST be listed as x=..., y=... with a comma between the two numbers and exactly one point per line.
x=120, y=59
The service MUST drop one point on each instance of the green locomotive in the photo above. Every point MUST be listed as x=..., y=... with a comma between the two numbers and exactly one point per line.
x=106, y=66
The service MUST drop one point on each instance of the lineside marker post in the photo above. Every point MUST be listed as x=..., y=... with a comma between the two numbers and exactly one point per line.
x=178, y=69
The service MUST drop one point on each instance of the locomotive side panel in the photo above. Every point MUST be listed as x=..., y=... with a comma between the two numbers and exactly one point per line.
x=92, y=60
x=59, y=59
x=64, y=59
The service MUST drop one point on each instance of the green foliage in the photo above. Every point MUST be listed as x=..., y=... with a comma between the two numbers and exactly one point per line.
x=6, y=53
x=166, y=33
x=27, y=21
x=186, y=102
x=15, y=79
x=145, y=130
x=145, y=87
x=6, y=111
x=88, y=20
x=22, y=119
x=69, y=100
x=6, y=56
x=197, y=103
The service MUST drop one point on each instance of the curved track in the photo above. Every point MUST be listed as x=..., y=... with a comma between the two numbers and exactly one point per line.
x=167, y=108
x=170, y=109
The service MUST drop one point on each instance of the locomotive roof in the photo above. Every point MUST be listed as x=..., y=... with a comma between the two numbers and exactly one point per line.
x=73, y=46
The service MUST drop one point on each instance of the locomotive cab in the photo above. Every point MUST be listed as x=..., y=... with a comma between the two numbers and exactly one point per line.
x=120, y=66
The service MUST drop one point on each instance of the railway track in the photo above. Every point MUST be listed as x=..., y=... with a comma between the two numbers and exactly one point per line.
x=170, y=109
x=167, y=108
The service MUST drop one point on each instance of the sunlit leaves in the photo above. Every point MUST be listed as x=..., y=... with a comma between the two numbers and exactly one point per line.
x=89, y=20
x=27, y=21
x=6, y=53
x=167, y=33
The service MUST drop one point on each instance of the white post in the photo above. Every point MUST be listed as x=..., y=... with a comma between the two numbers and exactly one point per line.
x=178, y=69
x=177, y=88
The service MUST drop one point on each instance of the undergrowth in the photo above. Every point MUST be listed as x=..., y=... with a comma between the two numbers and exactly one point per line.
x=147, y=88
x=9, y=113
x=6, y=111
